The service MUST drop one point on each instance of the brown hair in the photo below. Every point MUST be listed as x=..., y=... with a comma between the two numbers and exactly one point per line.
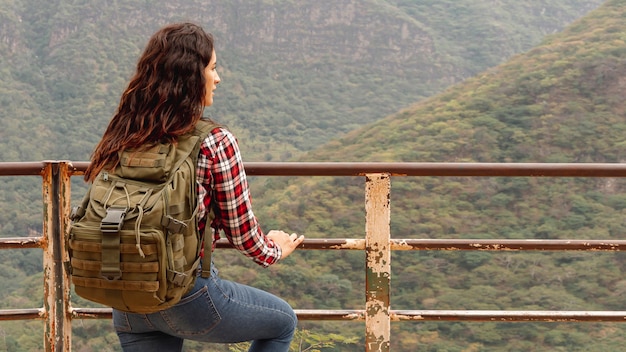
x=164, y=98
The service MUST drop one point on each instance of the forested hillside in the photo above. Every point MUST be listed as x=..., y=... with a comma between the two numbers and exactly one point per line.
x=315, y=69
x=297, y=74
x=560, y=102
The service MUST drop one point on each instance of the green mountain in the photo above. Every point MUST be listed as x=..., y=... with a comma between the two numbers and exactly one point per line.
x=295, y=74
x=559, y=102
x=315, y=69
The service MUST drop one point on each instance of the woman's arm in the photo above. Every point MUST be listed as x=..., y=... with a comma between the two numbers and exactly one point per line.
x=223, y=173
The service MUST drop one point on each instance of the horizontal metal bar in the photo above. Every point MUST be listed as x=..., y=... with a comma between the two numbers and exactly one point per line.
x=462, y=244
x=508, y=245
x=304, y=314
x=21, y=242
x=438, y=169
x=496, y=315
x=322, y=314
x=21, y=168
x=21, y=314
x=315, y=243
x=92, y=313
x=408, y=244
x=425, y=169
x=426, y=315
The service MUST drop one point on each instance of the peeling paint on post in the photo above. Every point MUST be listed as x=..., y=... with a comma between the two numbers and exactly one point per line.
x=62, y=256
x=378, y=258
x=56, y=195
x=48, y=259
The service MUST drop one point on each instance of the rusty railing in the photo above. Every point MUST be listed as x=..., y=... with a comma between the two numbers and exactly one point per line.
x=57, y=312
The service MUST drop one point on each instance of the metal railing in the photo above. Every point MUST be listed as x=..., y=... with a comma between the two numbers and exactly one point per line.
x=58, y=313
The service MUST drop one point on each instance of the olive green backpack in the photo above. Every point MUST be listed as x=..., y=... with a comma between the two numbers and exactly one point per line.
x=134, y=243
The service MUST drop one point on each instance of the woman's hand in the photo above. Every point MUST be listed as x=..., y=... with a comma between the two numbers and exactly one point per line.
x=287, y=242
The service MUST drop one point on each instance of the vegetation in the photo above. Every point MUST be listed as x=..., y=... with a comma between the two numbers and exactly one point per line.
x=561, y=101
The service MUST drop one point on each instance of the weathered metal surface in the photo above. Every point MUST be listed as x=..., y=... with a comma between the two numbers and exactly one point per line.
x=61, y=258
x=395, y=315
x=508, y=245
x=57, y=311
x=303, y=314
x=20, y=242
x=316, y=243
x=500, y=315
x=49, y=223
x=57, y=327
x=437, y=169
x=334, y=244
x=458, y=244
x=422, y=169
x=22, y=168
x=91, y=313
x=378, y=262
x=22, y=314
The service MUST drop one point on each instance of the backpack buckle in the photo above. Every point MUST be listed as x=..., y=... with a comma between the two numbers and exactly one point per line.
x=111, y=226
x=113, y=220
x=173, y=225
x=179, y=279
x=77, y=213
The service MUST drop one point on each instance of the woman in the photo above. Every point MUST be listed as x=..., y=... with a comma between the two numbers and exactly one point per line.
x=176, y=78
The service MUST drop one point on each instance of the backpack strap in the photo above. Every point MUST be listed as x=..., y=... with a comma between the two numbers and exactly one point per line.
x=207, y=238
x=79, y=211
x=110, y=227
x=203, y=128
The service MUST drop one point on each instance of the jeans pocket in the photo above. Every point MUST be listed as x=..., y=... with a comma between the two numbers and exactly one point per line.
x=120, y=321
x=194, y=315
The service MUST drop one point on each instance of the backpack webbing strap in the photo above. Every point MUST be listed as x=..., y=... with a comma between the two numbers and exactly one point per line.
x=147, y=286
x=79, y=211
x=110, y=226
x=183, y=278
x=207, y=238
x=208, y=249
x=203, y=128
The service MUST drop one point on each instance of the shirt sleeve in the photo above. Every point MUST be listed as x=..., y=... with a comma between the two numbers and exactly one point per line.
x=222, y=178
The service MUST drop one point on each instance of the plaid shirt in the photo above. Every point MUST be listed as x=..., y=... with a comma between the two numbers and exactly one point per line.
x=220, y=170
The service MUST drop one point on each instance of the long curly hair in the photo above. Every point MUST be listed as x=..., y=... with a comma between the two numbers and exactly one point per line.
x=164, y=98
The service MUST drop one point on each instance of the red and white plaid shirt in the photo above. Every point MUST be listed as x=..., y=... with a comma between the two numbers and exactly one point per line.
x=220, y=170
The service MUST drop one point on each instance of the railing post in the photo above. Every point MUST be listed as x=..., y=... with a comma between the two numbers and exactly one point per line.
x=56, y=196
x=378, y=259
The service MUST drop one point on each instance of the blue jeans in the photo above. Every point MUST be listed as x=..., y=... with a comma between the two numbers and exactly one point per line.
x=215, y=310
